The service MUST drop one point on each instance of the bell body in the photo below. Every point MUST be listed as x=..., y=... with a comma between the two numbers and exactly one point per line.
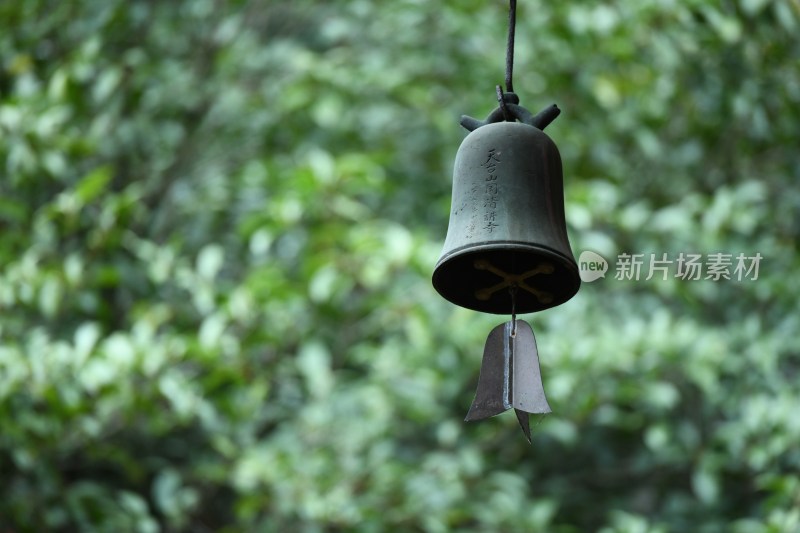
x=507, y=229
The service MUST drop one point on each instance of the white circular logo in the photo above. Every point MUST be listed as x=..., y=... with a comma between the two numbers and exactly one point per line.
x=592, y=266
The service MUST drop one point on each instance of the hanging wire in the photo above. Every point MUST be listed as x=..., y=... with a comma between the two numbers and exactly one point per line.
x=512, y=23
x=513, y=291
x=502, y=101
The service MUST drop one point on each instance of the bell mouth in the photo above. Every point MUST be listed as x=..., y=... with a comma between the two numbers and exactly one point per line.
x=482, y=277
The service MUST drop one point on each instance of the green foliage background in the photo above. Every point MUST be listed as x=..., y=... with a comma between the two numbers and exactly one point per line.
x=218, y=222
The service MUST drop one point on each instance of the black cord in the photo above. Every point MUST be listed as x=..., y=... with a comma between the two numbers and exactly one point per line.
x=502, y=101
x=512, y=23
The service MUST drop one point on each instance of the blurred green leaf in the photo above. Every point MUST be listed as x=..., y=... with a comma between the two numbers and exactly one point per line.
x=93, y=184
x=219, y=221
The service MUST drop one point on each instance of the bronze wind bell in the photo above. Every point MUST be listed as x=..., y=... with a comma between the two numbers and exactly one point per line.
x=506, y=250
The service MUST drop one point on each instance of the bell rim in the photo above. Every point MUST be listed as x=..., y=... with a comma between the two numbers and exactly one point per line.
x=518, y=245
x=567, y=262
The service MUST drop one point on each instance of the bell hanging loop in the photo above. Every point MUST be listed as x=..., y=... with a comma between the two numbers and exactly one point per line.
x=511, y=104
